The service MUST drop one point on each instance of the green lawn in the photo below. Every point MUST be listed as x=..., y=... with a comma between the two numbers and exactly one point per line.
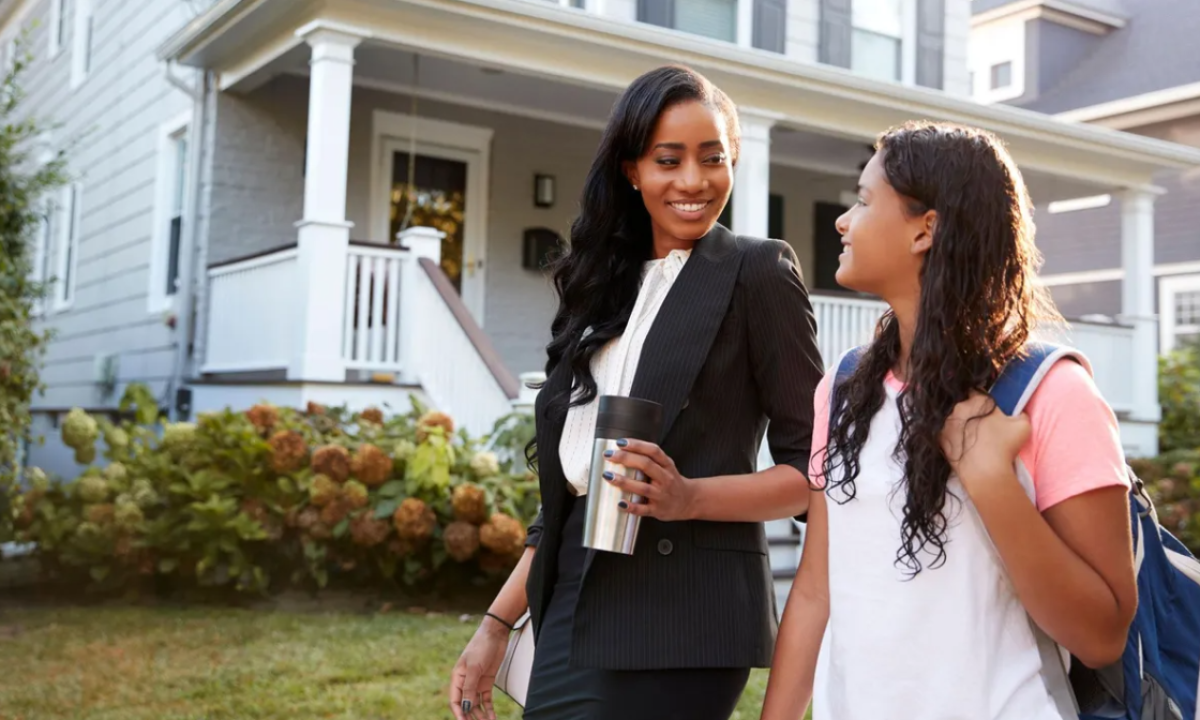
x=212, y=664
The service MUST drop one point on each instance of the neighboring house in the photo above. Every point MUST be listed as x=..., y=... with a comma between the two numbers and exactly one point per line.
x=1130, y=65
x=242, y=169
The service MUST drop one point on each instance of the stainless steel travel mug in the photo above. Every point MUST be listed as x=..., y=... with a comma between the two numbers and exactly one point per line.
x=608, y=527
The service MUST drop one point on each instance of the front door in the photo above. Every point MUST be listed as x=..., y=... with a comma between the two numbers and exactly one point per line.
x=439, y=196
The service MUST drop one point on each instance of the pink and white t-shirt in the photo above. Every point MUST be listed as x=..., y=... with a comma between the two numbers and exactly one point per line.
x=954, y=641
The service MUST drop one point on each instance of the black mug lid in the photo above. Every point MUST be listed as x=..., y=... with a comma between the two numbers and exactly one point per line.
x=626, y=417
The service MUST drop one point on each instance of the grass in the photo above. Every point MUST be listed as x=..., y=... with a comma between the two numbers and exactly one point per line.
x=131, y=663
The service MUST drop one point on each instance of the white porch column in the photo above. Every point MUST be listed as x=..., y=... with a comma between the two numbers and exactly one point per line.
x=1137, y=302
x=752, y=177
x=324, y=233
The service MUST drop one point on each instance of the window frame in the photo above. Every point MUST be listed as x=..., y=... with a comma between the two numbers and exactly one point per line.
x=57, y=27
x=67, y=216
x=172, y=186
x=1168, y=288
x=83, y=43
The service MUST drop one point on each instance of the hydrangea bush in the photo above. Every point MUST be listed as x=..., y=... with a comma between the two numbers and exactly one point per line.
x=270, y=498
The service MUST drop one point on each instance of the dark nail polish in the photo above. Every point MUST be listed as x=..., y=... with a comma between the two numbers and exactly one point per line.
x=622, y=442
x=608, y=475
x=608, y=453
x=622, y=504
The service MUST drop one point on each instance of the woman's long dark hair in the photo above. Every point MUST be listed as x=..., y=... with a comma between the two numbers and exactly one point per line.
x=979, y=304
x=597, y=279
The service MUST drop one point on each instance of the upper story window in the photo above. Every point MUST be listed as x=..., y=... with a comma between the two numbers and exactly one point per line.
x=1001, y=75
x=876, y=39
x=82, y=43
x=754, y=23
x=57, y=26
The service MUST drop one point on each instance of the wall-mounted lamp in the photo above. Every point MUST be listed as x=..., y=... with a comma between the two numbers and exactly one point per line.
x=543, y=190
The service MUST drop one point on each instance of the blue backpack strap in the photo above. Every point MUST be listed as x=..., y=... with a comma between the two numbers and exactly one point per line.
x=845, y=368
x=1021, y=377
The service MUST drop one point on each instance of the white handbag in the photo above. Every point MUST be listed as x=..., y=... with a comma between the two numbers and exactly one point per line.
x=513, y=677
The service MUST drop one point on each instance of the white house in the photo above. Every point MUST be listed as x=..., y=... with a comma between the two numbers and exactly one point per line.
x=242, y=170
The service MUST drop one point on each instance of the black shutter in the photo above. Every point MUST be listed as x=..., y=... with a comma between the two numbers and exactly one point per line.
x=770, y=25
x=775, y=217
x=931, y=42
x=657, y=12
x=835, y=33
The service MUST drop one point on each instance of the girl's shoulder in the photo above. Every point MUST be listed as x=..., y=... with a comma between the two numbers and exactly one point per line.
x=1075, y=438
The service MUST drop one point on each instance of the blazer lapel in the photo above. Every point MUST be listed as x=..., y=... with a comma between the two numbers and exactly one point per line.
x=683, y=331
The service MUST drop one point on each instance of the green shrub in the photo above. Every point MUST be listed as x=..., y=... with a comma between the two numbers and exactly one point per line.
x=1173, y=481
x=1179, y=393
x=269, y=498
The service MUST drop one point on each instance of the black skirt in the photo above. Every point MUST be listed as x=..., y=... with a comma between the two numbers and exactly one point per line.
x=558, y=691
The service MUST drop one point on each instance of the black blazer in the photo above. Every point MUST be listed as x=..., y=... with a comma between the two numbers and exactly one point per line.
x=733, y=345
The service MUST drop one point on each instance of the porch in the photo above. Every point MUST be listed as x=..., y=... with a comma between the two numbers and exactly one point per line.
x=322, y=117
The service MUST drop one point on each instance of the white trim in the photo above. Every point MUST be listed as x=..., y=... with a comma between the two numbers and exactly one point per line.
x=66, y=261
x=818, y=166
x=1168, y=288
x=477, y=103
x=1082, y=277
x=1133, y=103
x=745, y=24
x=58, y=10
x=165, y=191
x=82, y=42
x=438, y=138
x=1164, y=270
x=1075, y=204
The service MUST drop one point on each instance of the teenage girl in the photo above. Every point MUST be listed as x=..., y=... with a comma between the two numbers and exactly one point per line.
x=926, y=560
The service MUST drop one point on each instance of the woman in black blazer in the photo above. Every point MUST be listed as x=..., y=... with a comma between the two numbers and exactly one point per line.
x=730, y=344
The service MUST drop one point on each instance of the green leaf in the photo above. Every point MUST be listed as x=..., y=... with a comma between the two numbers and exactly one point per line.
x=340, y=529
x=100, y=572
x=168, y=565
x=392, y=489
x=287, y=486
x=386, y=509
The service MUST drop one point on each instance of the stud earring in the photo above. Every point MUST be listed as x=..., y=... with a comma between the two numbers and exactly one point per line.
x=635, y=188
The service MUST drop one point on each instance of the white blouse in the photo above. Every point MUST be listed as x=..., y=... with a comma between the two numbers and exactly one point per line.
x=615, y=366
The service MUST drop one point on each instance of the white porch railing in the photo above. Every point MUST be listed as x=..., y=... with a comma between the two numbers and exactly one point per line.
x=251, y=318
x=453, y=372
x=371, y=328
x=844, y=322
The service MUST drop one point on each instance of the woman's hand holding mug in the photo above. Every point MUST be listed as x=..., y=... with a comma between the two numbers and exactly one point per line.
x=667, y=496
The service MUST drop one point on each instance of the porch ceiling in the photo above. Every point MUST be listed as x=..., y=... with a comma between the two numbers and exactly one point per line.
x=589, y=58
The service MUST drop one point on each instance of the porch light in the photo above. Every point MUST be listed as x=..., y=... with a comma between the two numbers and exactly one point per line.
x=543, y=190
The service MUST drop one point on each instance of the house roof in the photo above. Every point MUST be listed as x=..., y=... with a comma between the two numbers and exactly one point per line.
x=1154, y=51
x=1114, y=8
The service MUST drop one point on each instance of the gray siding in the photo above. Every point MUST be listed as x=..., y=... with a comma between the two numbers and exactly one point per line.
x=257, y=170
x=1054, y=50
x=1082, y=240
x=1099, y=298
x=113, y=120
x=1091, y=239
